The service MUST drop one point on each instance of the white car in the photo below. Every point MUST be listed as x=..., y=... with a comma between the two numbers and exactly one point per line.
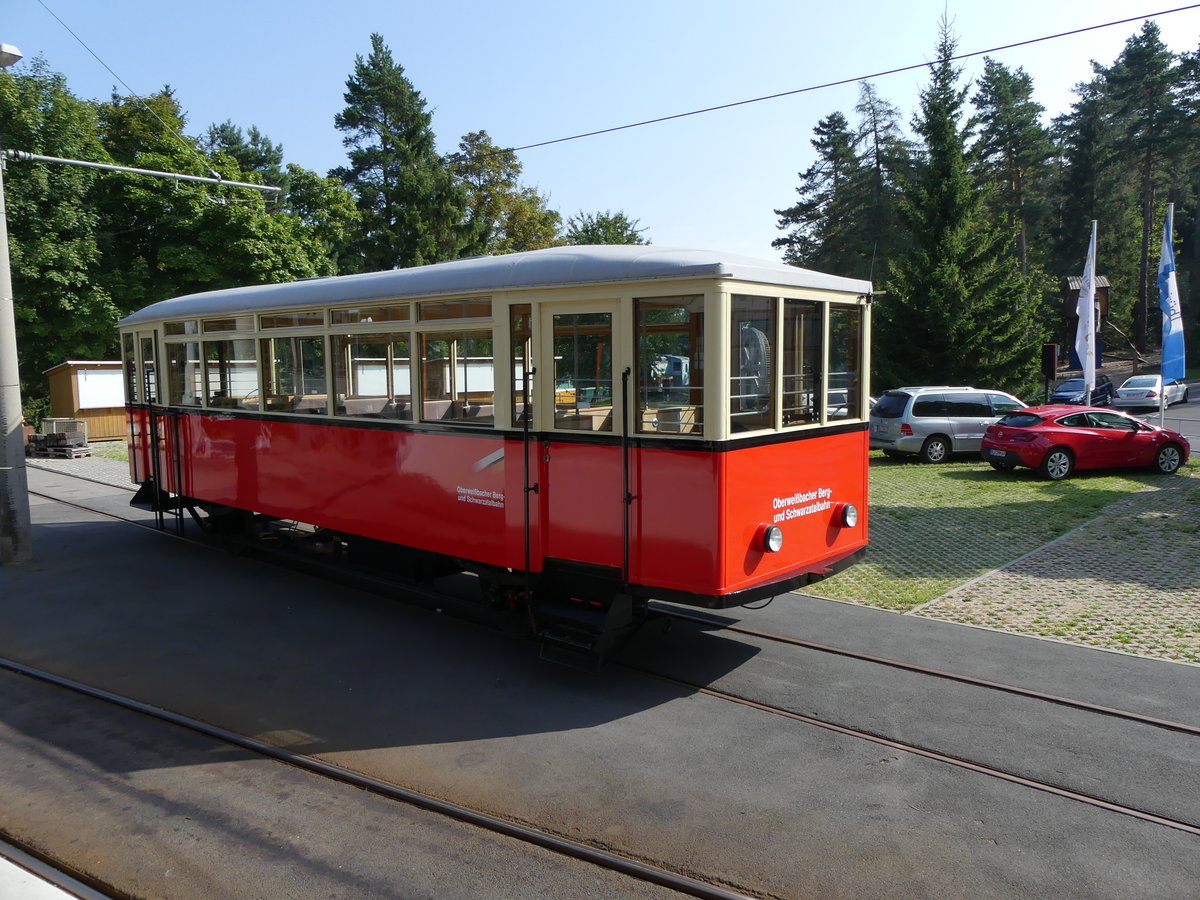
x=1147, y=390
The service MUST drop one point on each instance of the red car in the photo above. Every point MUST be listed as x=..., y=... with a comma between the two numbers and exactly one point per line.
x=1056, y=440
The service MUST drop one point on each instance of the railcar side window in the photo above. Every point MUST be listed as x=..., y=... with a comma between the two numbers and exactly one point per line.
x=458, y=378
x=301, y=319
x=583, y=382
x=478, y=308
x=845, y=360
x=184, y=381
x=149, y=375
x=520, y=332
x=231, y=374
x=752, y=371
x=372, y=376
x=369, y=314
x=294, y=374
x=802, y=361
x=670, y=375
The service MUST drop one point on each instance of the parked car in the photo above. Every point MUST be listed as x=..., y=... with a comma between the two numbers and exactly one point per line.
x=1074, y=390
x=1147, y=390
x=1057, y=440
x=935, y=421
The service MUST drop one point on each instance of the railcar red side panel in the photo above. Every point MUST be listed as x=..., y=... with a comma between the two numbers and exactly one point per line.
x=695, y=523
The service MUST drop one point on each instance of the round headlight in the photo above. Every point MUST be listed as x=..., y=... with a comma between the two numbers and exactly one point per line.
x=773, y=539
x=849, y=515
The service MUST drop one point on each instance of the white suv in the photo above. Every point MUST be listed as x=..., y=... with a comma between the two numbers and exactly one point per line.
x=935, y=421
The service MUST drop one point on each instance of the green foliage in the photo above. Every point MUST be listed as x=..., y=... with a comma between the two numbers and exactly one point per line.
x=603, y=228
x=413, y=209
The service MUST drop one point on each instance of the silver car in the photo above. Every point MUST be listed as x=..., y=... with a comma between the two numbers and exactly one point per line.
x=935, y=421
x=1148, y=390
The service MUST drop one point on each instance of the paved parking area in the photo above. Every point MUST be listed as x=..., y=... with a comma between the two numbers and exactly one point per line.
x=1129, y=580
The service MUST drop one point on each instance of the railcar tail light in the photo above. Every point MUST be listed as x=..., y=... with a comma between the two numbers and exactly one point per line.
x=848, y=515
x=772, y=538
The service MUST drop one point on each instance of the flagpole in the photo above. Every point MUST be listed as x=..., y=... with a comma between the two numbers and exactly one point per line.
x=1174, y=363
x=1085, y=330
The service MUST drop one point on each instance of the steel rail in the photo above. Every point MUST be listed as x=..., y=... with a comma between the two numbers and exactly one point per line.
x=918, y=750
x=48, y=870
x=1082, y=705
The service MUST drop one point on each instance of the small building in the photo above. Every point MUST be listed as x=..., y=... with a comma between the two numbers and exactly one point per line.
x=93, y=392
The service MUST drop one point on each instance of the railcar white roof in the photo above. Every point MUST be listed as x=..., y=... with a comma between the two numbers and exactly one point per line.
x=574, y=265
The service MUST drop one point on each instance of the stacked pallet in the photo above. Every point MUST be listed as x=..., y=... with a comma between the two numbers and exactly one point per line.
x=59, y=445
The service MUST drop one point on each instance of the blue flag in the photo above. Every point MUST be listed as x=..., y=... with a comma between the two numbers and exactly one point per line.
x=1173, y=367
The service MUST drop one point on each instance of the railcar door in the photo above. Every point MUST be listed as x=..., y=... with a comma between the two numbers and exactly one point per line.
x=581, y=490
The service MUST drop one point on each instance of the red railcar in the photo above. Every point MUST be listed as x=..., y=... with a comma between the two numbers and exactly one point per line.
x=585, y=428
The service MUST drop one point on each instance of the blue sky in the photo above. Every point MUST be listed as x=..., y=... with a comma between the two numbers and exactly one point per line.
x=535, y=70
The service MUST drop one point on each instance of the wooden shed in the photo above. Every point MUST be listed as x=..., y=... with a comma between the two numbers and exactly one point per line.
x=93, y=392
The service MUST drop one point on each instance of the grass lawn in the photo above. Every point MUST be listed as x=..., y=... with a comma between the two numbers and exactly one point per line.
x=935, y=527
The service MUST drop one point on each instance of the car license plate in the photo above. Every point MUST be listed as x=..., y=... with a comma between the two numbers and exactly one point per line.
x=992, y=452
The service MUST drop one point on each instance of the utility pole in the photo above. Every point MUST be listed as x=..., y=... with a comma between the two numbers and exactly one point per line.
x=15, y=529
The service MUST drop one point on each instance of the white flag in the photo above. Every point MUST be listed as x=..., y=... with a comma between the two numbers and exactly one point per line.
x=1085, y=332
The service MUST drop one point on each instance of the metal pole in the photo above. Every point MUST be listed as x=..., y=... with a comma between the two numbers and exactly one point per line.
x=16, y=545
x=25, y=156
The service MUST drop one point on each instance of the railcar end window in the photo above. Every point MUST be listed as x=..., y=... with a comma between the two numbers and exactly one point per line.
x=845, y=360
x=130, y=360
x=752, y=367
x=458, y=378
x=294, y=374
x=149, y=393
x=184, y=374
x=231, y=374
x=372, y=376
x=670, y=375
x=802, y=399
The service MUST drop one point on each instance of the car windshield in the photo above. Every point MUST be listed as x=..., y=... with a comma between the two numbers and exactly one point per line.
x=1020, y=420
x=1073, y=384
x=1142, y=381
x=890, y=406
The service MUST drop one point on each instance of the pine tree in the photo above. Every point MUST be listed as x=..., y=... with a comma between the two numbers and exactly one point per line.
x=502, y=216
x=956, y=309
x=1014, y=149
x=413, y=208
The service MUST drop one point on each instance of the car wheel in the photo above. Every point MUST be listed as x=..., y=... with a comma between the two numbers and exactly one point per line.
x=1002, y=466
x=1169, y=459
x=1058, y=464
x=935, y=449
x=1185, y=395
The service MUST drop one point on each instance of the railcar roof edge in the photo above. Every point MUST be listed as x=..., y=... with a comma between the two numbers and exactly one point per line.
x=573, y=265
